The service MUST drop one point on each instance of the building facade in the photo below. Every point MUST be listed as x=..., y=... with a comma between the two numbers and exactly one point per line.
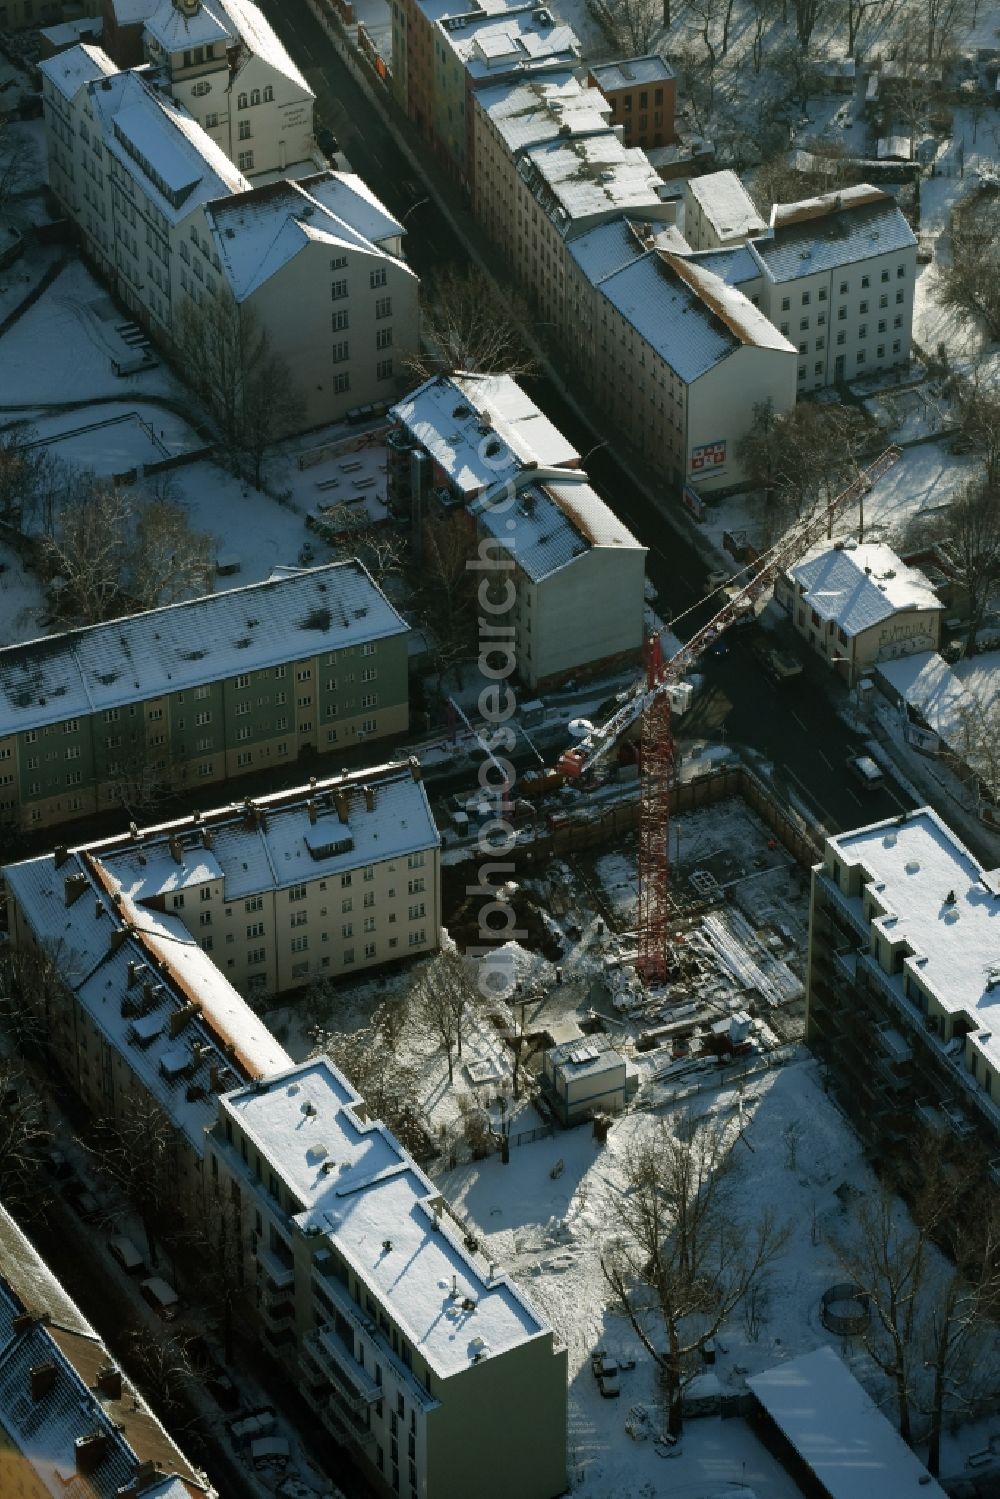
x=400, y=1337
x=229, y=684
x=902, y=988
x=171, y=222
x=642, y=96
x=858, y=605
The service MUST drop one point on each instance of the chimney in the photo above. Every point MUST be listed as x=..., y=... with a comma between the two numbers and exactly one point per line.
x=133, y=831
x=311, y=809
x=196, y=817
x=98, y=908
x=340, y=796
x=207, y=838
x=132, y=966
x=180, y=1018
x=118, y=935
x=454, y=1287
x=312, y=783
x=145, y=1474
x=61, y=854
x=174, y=844
x=416, y=769
x=43, y=1378
x=109, y=1381
x=91, y=1451
x=23, y=1322
x=75, y=885
x=214, y=1077
x=369, y=798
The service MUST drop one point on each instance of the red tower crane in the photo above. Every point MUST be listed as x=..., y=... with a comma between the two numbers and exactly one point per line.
x=653, y=701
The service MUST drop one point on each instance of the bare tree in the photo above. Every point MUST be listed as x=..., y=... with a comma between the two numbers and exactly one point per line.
x=445, y=588
x=26, y=473
x=442, y=996
x=371, y=1060
x=940, y=20
x=162, y=1366
x=18, y=162
x=969, y=283
x=802, y=458
x=866, y=18
x=969, y=538
x=349, y=529
x=247, y=387
x=680, y=1263
x=218, y=1243
x=631, y=25
x=168, y=561
x=137, y=1150
x=468, y=325
x=86, y=553
x=24, y=1133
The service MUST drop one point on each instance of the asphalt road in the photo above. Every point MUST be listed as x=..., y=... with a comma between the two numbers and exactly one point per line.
x=794, y=725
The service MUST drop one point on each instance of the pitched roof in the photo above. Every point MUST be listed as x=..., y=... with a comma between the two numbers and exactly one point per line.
x=259, y=37
x=284, y=619
x=607, y=247
x=860, y=586
x=819, y=234
x=555, y=519
x=69, y=71
x=726, y=203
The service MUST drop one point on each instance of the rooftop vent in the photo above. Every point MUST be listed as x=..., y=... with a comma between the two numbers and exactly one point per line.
x=308, y=1108
x=912, y=866
x=91, y=1450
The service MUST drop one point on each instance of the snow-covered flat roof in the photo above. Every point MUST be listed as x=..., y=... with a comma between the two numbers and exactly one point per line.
x=632, y=72
x=369, y=1198
x=286, y=846
x=71, y=70
x=726, y=204
x=585, y=1056
x=143, y=656
x=553, y=521
x=488, y=44
x=819, y=234
x=943, y=904
x=837, y=1429
x=529, y=111
x=482, y=429
x=593, y=174
x=861, y=586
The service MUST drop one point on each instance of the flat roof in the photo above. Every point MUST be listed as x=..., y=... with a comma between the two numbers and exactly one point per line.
x=531, y=110
x=366, y=1195
x=482, y=429
x=578, y=178
x=631, y=72
x=839, y=1432
x=726, y=203
x=515, y=40
x=856, y=587
x=286, y=618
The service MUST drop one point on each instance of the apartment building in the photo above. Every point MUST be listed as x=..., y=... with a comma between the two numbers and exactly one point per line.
x=672, y=351
x=857, y=605
x=169, y=220
x=20, y=15
x=642, y=95
x=317, y=882
x=902, y=992
x=70, y=1423
x=424, y=1360
x=719, y=212
x=478, y=446
x=311, y=660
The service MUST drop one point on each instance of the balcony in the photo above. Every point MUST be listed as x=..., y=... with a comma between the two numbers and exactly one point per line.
x=367, y=1328
x=361, y=1390
x=279, y=1275
x=841, y=907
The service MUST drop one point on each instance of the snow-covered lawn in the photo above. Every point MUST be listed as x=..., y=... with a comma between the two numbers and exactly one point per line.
x=22, y=602
x=113, y=438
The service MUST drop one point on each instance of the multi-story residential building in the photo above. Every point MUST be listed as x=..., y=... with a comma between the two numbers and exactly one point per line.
x=676, y=356
x=170, y=221
x=424, y=1360
x=19, y=15
x=642, y=94
x=475, y=448
x=202, y=691
x=857, y=605
x=225, y=66
x=903, y=994
x=719, y=212
x=317, y=882
x=69, y=1422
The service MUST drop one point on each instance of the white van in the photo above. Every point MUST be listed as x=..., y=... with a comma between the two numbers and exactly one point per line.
x=161, y=1297
x=124, y=1251
x=865, y=771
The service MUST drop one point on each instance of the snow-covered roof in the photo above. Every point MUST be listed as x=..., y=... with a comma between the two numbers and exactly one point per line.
x=860, y=586
x=576, y=179
x=46, y=1429
x=178, y=28
x=532, y=110
x=258, y=37
x=607, y=247
x=516, y=40
x=71, y=70
x=364, y=1194
x=631, y=72
x=841, y=228
x=839, y=1432
x=259, y=232
x=286, y=846
x=284, y=619
x=481, y=429
x=349, y=198
x=555, y=519
x=130, y=12
x=726, y=204
x=927, y=683
x=690, y=317
x=734, y=265
x=179, y=164
x=584, y=1056
x=915, y=865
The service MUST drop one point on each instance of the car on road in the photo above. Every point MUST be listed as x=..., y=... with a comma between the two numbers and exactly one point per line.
x=161, y=1296
x=605, y=1370
x=780, y=665
x=864, y=770
x=121, y=1248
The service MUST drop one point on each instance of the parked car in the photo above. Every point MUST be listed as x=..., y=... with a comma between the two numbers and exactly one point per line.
x=782, y=666
x=124, y=1251
x=865, y=772
x=161, y=1296
x=605, y=1371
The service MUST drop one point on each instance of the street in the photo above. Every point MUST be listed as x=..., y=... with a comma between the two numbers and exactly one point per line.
x=796, y=726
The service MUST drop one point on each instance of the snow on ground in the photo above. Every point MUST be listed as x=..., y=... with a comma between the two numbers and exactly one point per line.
x=18, y=280
x=354, y=479
x=61, y=349
x=113, y=438
x=22, y=602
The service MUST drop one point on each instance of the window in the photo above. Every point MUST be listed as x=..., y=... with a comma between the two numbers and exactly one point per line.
x=880, y=351
x=245, y=161
x=383, y=307
x=885, y=276
x=861, y=356
x=338, y=290
x=256, y=955
x=417, y=938
x=204, y=918
x=899, y=299
x=177, y=902
x=347, y=930
x=883, y=300
x=866, y=281
x=111, y=716
x=895, y=346
x=206, y=892
x=338, y=263
x=206, y=768
x=211, y=121
x=243, y=680
x=806, y=299
x=244, y=130
x=818, y=367
x=305, y=700
x=416, y=886
x=341, y=384
x=201, y=693
x=255, y=96
x=786, y=303
x=863, y=308
x=802, y=372
x=268, y=94
x=881, y=326
x=383, y=338
x=369, y=924
x=378, y=278
x=345, y=881
x=242, y=102
x=900, y=272
x=820, y=344
x=300, y=944
x=279, y=671
x=863, y=331
x=841, y=314
x=203, y=718
x=841, y=339
x=339, y=320
x=341, y=352
x=71, y=725
x=417, y=911
x=368, y=726
x=821, y=297
x=244, y=758
x=348, y=954
x=843, y=288
x=298, y=918
x=255, y=929
x=347, y=905
x=383, y=369
x=255, y=903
